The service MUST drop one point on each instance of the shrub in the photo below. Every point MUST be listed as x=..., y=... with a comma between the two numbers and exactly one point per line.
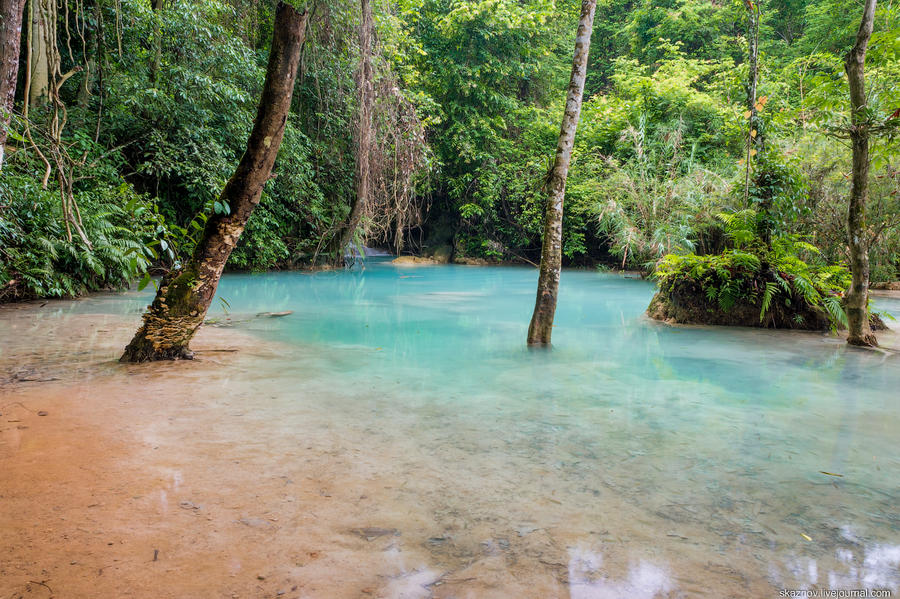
x=789, y=275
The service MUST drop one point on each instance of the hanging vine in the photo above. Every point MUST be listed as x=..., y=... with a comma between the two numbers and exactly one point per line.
x=398, y=164
x=43, y=13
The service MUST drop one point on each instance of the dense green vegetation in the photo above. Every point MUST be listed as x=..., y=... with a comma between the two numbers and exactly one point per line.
x=469, y=98
x=786, y=281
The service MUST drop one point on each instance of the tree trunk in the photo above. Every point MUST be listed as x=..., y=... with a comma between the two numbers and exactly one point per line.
x=184, y=295
x=756, y=144
x=10, y=40
x=366, y=95
x=40, y=66
x=540, y=329
x=858, y=297
x=753, y=50
x=158, y=5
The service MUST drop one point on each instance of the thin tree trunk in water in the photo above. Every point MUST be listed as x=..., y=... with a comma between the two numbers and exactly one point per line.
x=858, y=297
x=10, y=41
x=540, y=329
x=366, y=91
x=184, y=296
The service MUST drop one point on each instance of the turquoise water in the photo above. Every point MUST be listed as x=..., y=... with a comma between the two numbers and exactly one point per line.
x=657, y=460
x=461, y=328
x=728, y=428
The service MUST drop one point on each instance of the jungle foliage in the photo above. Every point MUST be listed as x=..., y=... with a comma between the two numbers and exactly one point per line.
x=469, y=95
x=789, y=273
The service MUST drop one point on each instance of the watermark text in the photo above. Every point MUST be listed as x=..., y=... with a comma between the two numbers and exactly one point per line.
x=842, y=593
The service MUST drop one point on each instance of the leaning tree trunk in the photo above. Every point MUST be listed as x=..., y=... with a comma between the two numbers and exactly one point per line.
x=541, y=326
x=858, y=298
x=10, y=40
x=366, y=93
x=184, y=296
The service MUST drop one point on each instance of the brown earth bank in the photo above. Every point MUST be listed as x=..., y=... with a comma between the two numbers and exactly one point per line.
x=146, y=481
x=421, y=260
x=173, y=480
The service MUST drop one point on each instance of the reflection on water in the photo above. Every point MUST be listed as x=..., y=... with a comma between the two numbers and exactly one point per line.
x=588, y=580
x=633, y=460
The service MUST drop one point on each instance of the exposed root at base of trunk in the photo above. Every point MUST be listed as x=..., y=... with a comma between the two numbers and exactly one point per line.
x=143, y=353
x=163, y=336
x=864, y=340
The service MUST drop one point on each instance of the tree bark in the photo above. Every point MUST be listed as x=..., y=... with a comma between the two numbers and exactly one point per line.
x=40, y=66
x=184, y=296
x=756, y=128
x=540, y=329
x=158, y=6
x=857, y=300
x=753, y=50
x=366, y=94
x=10, y=40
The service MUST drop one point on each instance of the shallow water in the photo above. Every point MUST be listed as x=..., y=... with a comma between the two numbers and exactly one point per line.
x=635, y=459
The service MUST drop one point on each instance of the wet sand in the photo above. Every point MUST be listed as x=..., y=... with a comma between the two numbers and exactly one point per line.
x=202, y=479
x=169, y=480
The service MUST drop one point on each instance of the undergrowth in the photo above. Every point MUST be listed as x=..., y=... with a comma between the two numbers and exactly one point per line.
x=790, y=271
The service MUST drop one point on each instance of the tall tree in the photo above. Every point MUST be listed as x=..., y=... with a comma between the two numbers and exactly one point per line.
x=158, y=6
x=752, y=83
x=756, y=130
x=184, y=295
x=10, y=40
x=41, y=34
x=366, y=95
x=858, y=297
x=541, y=327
